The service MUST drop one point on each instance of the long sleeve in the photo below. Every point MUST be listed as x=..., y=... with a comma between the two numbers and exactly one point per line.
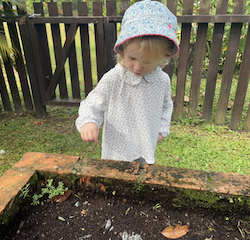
x=93, y=107
x=166, y=111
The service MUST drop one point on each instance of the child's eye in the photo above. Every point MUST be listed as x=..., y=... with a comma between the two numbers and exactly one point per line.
x=132, y=58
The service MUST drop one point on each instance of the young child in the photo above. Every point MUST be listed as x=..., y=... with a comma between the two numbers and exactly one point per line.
x=134, y=98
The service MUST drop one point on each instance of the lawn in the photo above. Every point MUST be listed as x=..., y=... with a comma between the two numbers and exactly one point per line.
x=191, y=144
x=197, y=145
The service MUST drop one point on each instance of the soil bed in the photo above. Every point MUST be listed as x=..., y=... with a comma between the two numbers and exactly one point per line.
x=87, y=218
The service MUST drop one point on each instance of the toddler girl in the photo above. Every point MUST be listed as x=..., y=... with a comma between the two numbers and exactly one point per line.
x=134, y=98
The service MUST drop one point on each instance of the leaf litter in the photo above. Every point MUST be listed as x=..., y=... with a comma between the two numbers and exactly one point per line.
x=99, y=218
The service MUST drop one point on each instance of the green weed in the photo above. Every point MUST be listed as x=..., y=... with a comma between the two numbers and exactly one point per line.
x=49, y=190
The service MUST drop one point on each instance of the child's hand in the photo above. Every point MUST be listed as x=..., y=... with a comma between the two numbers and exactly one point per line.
x=160, y=138
x=90, y=132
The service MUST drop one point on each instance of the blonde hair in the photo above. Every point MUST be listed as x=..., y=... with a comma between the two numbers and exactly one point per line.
x=153, y=49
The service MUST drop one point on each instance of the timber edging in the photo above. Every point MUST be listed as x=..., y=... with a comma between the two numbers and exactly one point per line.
x=19, y=175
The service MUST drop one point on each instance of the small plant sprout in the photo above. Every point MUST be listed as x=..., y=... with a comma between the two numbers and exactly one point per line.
x=24, y=191
x=157, y=206
x=241, y=230
x=51, y=190
x=126, y=213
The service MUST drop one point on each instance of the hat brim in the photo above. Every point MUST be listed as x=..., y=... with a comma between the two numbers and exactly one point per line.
x=128, y=33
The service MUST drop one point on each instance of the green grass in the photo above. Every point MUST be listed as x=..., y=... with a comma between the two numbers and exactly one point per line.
x=199, y=146
x=206, y=147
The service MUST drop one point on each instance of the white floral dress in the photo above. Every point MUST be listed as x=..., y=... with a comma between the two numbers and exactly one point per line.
x=134, y=111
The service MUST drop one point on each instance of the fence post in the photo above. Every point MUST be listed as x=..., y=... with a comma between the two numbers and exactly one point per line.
x=31, y=67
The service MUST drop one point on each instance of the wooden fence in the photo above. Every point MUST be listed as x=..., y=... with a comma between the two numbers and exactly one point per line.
x=40, y=83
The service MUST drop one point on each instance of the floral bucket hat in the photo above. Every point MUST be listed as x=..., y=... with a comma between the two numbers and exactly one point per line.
x=147, y=18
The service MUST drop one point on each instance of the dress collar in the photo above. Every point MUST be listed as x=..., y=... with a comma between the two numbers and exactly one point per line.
x=134, y=80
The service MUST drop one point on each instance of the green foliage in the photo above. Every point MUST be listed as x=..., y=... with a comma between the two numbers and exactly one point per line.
x=24, y=191
x=8, y=51
x=49, y=190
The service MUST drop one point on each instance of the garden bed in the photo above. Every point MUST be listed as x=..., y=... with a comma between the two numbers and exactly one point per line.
x=106, y=207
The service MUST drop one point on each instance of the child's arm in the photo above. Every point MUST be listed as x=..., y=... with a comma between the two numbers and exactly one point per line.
x=90, y=132
x=91, y=112
x=166, y=112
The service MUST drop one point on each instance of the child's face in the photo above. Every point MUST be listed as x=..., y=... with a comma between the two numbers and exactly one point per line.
x=134, y=62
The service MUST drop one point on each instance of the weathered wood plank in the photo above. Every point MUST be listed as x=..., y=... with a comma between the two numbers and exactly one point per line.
x=228, y=70
x=19, y=61
x=214, y=62
x=223, y=18
x=170, y=67
x=57, y=44
x=172, y=6
x=31, y=68
x=124, y=5
x=67, y=11
x=13, y=86
x=66, y=19
x=247, y=122
x=4, y=93
x=64, y=102
x=71, y=32
x=200, y=47
x=110, y=35
x=40, y=47
x=242, y=86
x=99, y=41
x=183, y=61
x=85, y=48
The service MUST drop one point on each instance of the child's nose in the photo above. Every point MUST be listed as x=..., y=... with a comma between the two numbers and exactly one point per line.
x=138, y=66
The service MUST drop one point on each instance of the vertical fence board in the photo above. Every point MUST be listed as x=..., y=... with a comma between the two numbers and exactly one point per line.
x=31, y=68
x=228, y=70
x=183, y=61
x=20, y=65
x=67, y=11
x=172, y=6
x=4, y=93
x=124, y=5
x=60, y=66
x=169, y=68
x=40, y=48
x=13, y=86
x=214, y=62
x=57, y=44
x=99, y=41
x=242, y=86
x=85, y=48
x=199, y=54
x=110, y=35
x=247, y=122
x=10, y=73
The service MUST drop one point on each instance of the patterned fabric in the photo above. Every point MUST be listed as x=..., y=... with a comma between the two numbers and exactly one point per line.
x=134, y=110
x=148, y=18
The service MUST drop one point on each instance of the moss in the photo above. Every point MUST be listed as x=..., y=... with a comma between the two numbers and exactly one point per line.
x=17, y=208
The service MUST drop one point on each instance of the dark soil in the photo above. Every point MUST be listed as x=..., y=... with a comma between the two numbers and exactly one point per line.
x=86, y=218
